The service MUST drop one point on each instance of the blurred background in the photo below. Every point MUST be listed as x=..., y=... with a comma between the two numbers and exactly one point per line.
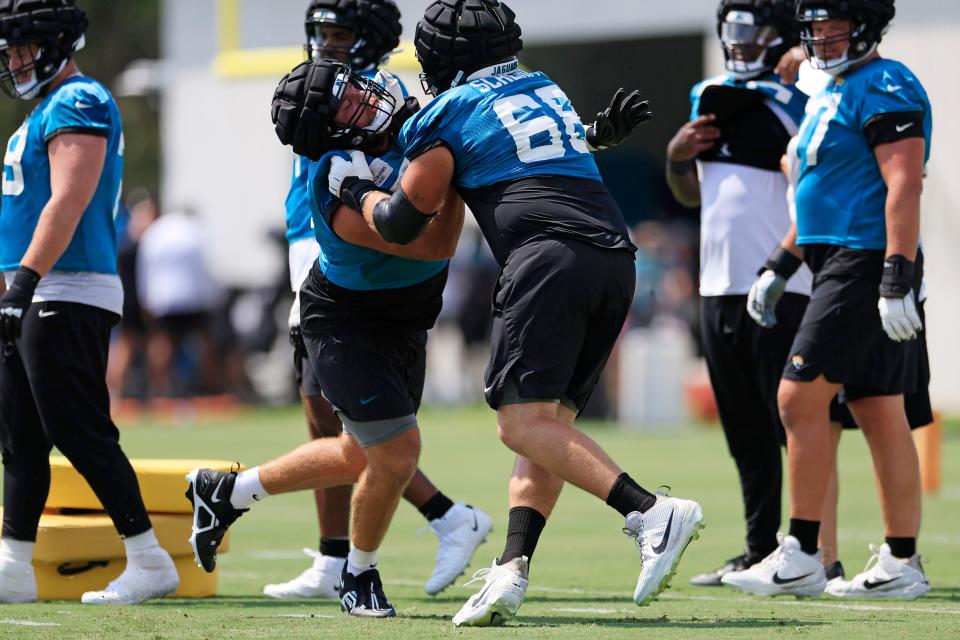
x=203, y=257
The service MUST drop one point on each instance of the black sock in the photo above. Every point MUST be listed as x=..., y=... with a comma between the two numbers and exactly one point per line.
x=902, y=547
x=335, y=547
x=807, y=532
x=436, y=507
x=523, y=532
x=627, y=496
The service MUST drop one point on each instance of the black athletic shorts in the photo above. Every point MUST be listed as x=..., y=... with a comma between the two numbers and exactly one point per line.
x=368, y=351
x=371, y=379
x=306, y=378
x=917, y=404
x=841, y=337
x=558, y=309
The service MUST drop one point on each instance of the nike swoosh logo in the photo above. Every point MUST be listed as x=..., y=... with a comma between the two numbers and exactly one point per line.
x=778, y=580
x=365, y=401
x=878, y=583
x=216, y=492
x=660, y=548
x=903, y=127
x=893, y=88
x=475, y=525
x=482, y=593
x=47, y=314
x=81, y=105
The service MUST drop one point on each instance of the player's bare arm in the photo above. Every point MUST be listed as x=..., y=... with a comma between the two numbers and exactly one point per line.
x=423, y=189
x=438, y=242
x=901, y=165
x=76, y=161
x=691, y=140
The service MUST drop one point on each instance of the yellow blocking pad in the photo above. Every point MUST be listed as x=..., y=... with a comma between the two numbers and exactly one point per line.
x=69, y=581
x=161, y=484
x=85, y=538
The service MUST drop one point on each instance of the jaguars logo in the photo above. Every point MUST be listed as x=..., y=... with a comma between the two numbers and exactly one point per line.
x=798, y=362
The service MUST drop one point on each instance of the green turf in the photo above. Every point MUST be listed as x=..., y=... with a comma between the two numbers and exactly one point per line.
x=584, y=571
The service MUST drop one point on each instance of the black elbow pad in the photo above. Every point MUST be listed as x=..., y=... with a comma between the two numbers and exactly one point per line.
x=398, y=221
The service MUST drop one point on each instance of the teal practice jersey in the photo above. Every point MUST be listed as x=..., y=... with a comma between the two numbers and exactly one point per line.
x=841, y=195
x=351, y=266
x=78, y=105
x=503, y=124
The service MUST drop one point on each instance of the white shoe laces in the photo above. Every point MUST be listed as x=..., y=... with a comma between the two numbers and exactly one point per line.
x=478, y=575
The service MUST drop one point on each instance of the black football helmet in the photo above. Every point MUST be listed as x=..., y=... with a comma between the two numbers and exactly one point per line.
x=375, y=24
x=756, y=33
x=55, y=28
x=457, y=37
x=307, y=103
x=869, y=21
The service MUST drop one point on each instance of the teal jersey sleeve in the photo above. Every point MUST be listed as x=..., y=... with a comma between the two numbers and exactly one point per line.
x=895, y=90
x=79, y=108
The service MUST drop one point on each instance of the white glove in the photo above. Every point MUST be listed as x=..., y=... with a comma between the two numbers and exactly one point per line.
x=763, y=298
x=341, y=169
x=293, y=320
x=900, y=318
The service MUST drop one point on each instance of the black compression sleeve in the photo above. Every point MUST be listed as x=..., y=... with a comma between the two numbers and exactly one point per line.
x=398, y=221
x=893, y=127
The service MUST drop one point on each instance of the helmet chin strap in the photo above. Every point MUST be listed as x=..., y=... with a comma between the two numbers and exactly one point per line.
x=32, y=89
x=382, y=119
x=838, y=66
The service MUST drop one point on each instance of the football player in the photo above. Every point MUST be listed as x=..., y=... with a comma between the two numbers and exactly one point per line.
x=61, y=297
x=513, y=147
x=361, y=33
x=863, y=146
x=366, y=306
x=726, y=160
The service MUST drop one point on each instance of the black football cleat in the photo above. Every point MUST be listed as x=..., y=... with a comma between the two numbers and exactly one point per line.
x=209, y=493
x=363, y=595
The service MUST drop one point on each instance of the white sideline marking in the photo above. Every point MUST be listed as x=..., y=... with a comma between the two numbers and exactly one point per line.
x=744, y=600
x=30, y=623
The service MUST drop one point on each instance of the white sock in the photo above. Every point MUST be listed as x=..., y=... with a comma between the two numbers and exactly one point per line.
x=247, y=489
x=359, y=561
x=141, y=545
x=16, y=550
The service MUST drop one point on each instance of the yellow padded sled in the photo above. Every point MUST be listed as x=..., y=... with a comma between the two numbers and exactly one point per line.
x=83, y=538
x=70, y=580
x=161, y=484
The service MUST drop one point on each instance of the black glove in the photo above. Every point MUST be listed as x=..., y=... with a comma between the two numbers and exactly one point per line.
x=353, y=189
x=617, y=121
x=15, y=302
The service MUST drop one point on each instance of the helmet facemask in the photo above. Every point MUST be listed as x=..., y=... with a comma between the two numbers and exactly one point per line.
x=746, y=44
x=318, y=46
x=820, y=49
x=363, y=110
x=27, y=67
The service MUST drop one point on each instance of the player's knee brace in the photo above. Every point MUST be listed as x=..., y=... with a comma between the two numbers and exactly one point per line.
x=398, y=221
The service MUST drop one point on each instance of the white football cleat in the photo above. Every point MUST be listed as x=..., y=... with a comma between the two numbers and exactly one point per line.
x=152, y=576
x=500, y=598
x=18, y=583
x=662, y=535
x=321, y=580
x=788, y=571
x=885, y=576
x=461, y=530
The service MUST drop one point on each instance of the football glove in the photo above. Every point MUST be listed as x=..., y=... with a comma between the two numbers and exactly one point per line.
x=615, y=124
x=898, y=309
x=763, y=298
x=14, y=304
x=351, y=180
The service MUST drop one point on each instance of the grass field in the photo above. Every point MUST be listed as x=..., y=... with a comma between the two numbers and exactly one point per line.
x=582, y=576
